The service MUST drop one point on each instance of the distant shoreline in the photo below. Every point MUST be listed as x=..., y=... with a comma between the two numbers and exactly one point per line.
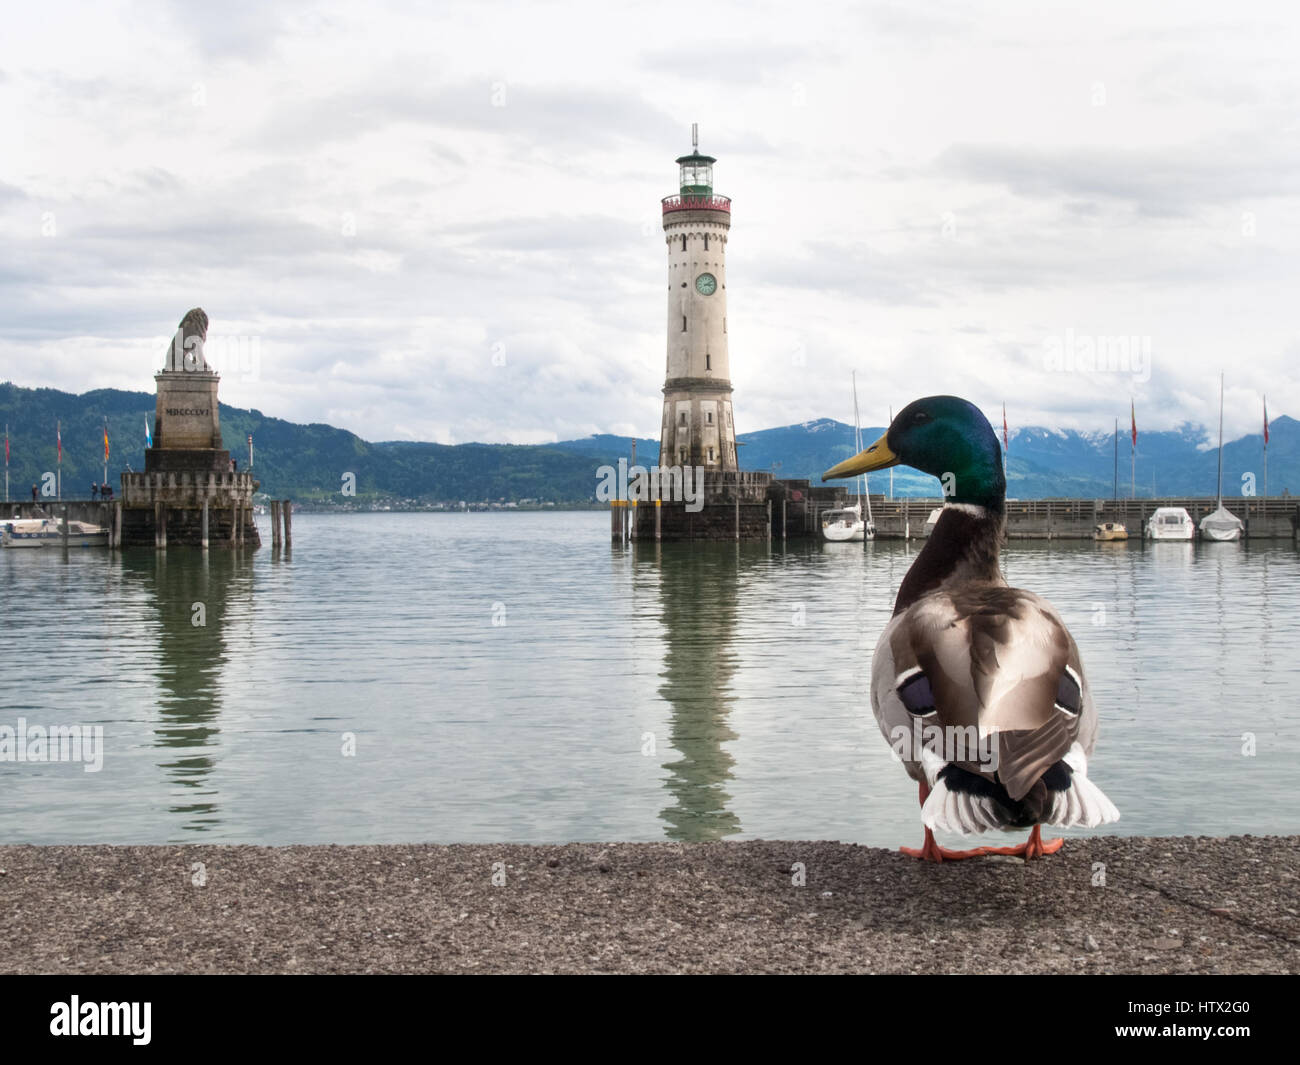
x=1102, y=905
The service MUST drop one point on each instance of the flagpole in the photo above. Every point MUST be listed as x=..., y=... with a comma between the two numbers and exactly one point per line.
x=1132, y=455
x=1114, y=488
x=1265, y=447
x=7, y=462
x=58, y=480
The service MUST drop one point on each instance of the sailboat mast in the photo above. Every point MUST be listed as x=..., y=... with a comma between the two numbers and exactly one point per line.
x=1219, y=490
x=865, y=489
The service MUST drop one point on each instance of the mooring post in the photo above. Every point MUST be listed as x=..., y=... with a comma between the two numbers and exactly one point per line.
x=737, y=506
x=632, y=522
x=287, y=507
x=203, y=536
x=613, y=520
x=163, y=511
x=65, y=525
x=275, y=523
x=769, y=521
x=658, y=520
x=782, y=519
x=157, y=524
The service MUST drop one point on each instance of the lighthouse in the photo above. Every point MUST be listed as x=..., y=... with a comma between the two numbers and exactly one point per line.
x=698, y=429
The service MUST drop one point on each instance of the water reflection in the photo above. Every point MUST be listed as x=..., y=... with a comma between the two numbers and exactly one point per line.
x=190, y=592
x=697, y=586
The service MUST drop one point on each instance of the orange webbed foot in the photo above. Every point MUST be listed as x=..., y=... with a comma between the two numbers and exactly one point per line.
x=1033, y=847
x=930, y=851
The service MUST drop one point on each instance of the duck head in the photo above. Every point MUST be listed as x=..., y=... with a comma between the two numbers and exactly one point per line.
x=944, y=436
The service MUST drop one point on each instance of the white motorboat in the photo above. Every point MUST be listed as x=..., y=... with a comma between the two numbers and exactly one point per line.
x=1170, y=523
x=844, y=525
x=1109, y=531
x=48, y=532
x=1222, y=524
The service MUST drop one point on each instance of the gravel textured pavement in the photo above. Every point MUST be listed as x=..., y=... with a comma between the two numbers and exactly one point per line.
x=1102, y=905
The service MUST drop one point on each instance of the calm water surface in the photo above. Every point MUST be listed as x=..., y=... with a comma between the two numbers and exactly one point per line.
x=511, y=677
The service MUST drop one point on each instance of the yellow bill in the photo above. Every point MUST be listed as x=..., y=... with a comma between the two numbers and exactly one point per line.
x=876, y=457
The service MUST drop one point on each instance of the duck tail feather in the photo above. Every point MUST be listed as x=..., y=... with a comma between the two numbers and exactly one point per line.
x=953, y=811
x=1081, y=805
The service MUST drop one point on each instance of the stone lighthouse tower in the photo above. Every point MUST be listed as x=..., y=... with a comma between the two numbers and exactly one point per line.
x=698, y=429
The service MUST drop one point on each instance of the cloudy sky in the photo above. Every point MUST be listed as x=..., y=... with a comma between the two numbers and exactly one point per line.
x=447, y=226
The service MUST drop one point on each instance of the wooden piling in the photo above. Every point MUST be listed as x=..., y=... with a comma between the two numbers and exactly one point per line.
x=275, y=523
x=783, y=519
x=66, y=517
x=769, y=521
x=286, y=507
x=658, y=520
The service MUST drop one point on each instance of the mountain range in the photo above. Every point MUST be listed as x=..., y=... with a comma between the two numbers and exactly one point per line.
x=309, y=462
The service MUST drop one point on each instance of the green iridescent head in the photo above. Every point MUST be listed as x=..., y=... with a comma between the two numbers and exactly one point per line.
x=944, y=436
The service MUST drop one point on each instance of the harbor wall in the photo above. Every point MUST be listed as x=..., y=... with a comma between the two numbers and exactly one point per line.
x=1075, y=519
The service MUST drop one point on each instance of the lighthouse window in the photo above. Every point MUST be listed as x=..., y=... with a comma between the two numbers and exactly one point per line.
x=708, y=362
x=710, y=417
x=710, y=454
x=706, y=242
x=683, y=422
x=683, y=323
x=683, y=242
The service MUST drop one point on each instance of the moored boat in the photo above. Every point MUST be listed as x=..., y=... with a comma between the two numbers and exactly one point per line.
x=1170, y=523
x=43, y=532
x=1222, y=524
x=844, y=525
x=1110, y=530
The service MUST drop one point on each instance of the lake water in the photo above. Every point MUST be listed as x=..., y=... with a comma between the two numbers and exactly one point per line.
x=513, y=677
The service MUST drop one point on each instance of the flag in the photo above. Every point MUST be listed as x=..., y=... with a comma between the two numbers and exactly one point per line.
x=1005, y=444
x=105, y=443
x=1265, y=425
x=1133, y=415
x=58, y=434
x=148, y=433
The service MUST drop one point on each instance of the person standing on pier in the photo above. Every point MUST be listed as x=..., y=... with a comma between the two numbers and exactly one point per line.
x=94, y=490
x=34, y=493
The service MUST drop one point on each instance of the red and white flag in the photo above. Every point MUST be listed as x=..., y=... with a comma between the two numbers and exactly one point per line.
x=58, y=433
x=1133, y=416
x=1005, y=443
x=1265, y=422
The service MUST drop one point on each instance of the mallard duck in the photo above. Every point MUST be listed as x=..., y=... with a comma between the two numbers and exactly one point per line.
x=977, y=685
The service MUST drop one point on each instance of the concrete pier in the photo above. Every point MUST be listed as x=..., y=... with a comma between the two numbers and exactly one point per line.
x=1158, y=905
x=1075, y=519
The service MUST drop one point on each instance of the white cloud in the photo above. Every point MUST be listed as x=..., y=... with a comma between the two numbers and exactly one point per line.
x=445, y=224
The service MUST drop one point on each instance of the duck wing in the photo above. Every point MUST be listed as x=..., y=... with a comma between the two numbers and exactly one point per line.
x=982, y=687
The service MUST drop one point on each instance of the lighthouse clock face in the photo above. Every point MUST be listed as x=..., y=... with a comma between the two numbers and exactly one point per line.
x=706, y=284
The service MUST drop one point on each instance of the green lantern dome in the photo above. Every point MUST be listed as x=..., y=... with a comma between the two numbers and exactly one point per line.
x=697, y=174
